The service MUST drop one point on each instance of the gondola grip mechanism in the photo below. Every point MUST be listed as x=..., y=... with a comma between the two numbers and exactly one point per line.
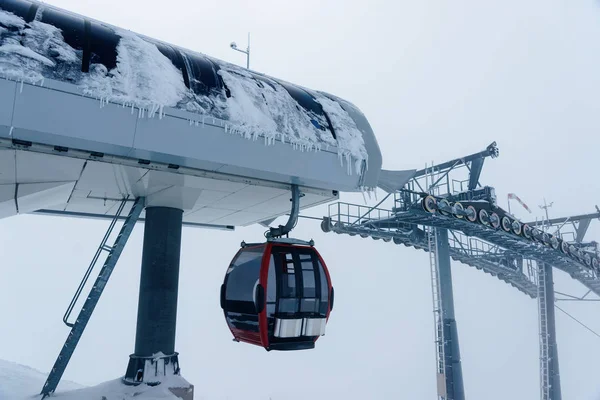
x=282, y=230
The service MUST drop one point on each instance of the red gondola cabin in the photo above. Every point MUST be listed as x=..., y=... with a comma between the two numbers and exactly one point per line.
x=277, y=295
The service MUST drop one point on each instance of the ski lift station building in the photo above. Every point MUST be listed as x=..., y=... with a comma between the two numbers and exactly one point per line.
x=91, y=114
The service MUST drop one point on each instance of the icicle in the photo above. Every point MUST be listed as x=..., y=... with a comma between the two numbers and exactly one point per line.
x=21, y=90
x=132, y=108
x=11, y=131
x=203, y=121
x=364, y=197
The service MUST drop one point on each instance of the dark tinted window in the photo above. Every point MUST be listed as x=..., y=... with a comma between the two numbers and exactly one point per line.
x=272, y=282
x=288, y=305
x=23, y=9
x=246, y=322
x=310, y=289
x=243, y=274
x=310, y=306
x=324, y=304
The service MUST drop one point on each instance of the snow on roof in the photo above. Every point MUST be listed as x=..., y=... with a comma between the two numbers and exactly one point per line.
x=18, y=382
x=145, y=78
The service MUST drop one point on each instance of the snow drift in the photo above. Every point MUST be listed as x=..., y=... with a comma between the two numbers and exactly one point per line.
x=18, y=382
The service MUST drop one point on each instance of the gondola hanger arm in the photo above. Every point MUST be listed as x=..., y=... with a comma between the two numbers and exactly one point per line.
x=282, y=230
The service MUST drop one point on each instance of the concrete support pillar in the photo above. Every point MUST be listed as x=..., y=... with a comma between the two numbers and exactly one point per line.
x=155, y=356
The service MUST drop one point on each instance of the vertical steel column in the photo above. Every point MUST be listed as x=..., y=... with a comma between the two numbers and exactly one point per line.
x=554, y=388
x=157, y=308
x=454, y=380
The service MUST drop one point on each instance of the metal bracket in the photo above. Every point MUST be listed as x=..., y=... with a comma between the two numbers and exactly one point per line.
x=310, y=243
x=282, y=230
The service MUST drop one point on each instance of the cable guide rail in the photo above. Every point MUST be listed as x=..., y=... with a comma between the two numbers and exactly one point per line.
x=482, y=235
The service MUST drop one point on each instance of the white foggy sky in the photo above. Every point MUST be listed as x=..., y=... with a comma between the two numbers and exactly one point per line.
x=436, y=80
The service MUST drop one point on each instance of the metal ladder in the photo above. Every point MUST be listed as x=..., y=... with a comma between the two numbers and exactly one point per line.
x=91, y=301
x=543, y=327
x=437, y=313
x=438, y=317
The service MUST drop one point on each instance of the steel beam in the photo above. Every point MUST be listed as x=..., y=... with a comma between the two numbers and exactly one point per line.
x=575, y=218
x=553, y=369
x=454, y=379
x=490, y=151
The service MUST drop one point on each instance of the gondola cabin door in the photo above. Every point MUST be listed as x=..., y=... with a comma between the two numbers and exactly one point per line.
x=277, y=296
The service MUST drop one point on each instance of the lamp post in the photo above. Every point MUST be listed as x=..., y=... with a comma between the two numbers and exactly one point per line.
x=233, y=45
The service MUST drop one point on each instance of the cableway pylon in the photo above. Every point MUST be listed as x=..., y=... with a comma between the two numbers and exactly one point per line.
x=438, y=210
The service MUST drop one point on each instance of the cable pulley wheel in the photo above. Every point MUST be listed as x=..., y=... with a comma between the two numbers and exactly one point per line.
x=554, y=242
x=429, y=204
x=337, y=227
x=587, y=259
x=516, y=227
x=527, y=231
x=495, y=220
x=545, y=238
x=484, y=218
x=472, y=214
x=444, y=204
x=575, y=252
x=564, y=247
x=595, y=263
x=506, y=224
x=457, y=207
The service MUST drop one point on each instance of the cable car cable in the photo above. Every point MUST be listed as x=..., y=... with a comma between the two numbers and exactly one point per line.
x=578, y=321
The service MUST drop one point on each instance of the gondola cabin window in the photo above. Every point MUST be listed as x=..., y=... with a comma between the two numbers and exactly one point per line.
x=242, y=279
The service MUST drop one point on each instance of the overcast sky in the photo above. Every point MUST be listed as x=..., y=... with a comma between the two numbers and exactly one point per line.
x=437, y=80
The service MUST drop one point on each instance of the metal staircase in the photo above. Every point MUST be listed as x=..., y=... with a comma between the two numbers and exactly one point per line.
x=437, y=313
x=91, y=301
x=544, y=345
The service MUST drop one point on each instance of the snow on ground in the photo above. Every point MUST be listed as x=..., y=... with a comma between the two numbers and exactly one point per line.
x=18, y=382
x=146, y=79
